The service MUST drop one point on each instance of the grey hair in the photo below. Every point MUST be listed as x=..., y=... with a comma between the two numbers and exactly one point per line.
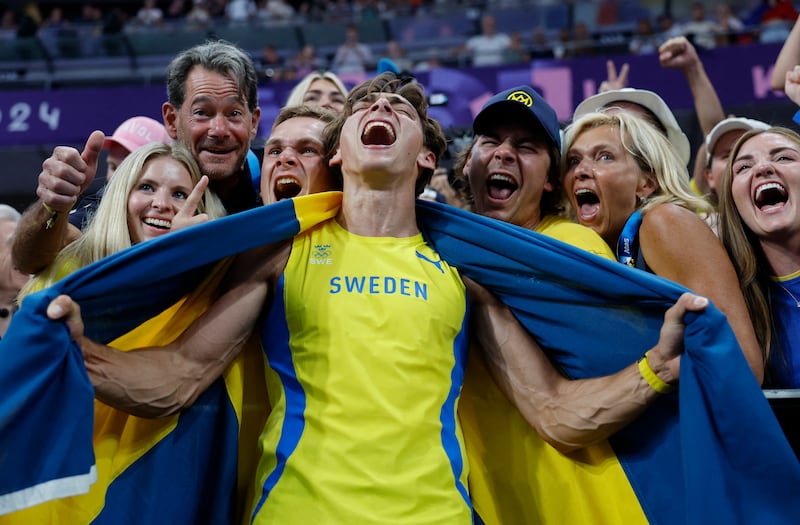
x=220, y=57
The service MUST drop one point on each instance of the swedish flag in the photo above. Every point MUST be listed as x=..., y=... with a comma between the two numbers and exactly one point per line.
x=721, y=458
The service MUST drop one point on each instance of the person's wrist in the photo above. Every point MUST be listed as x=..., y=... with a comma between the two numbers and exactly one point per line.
x=58, y=208
x=650, y=375
x=52, y=217
x=692, y=69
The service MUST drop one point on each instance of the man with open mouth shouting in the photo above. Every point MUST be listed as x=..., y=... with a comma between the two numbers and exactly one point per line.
x=295, y=161
x=512, y=168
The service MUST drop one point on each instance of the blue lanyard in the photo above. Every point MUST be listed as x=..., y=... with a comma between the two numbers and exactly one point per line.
x=626, y=244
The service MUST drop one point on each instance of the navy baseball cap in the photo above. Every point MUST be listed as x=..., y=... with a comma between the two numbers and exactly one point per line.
x=512, y=105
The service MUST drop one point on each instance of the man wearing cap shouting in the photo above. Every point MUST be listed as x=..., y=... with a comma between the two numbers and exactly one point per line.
x=512, y=174
x=512, y=167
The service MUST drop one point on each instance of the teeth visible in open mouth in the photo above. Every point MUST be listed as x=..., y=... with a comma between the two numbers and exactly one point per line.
x=496, y=177
x=286, y=188
x=378, y=133
x=770, y=193
x=584, y=195
x=500, y=186
x=158, y=223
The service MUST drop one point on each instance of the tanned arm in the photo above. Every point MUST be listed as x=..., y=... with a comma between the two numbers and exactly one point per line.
x=788, y=57
x=792, y=85
x=679, y=246
x=679, y=53
x=160, y=381
x=571, y=414
x=35, y=245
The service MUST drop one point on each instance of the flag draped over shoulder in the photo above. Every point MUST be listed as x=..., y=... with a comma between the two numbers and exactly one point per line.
x=179, y=470
x=723, y=458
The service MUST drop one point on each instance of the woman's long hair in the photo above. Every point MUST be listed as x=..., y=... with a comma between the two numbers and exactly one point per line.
x=107, y=231
x=744, y=249
x=653, y=153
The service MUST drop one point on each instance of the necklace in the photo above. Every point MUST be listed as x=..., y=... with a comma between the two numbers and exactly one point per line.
x=796, y=302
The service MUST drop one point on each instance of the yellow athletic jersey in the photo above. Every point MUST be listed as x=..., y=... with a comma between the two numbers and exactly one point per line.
x=516, y=478
x=575, y=234
x=365, y=345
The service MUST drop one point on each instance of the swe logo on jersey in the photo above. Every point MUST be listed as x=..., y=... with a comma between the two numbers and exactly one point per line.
x=321, y=254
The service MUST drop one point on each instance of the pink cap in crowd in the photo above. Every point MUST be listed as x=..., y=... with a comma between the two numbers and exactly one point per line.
x=136, y=132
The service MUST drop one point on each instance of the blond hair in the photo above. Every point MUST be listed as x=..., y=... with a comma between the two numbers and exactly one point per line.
x=107, y=232
x=299, y=91
x=652, y=152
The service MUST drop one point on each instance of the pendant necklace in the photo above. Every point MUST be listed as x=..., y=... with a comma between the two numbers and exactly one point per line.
x=796, y=302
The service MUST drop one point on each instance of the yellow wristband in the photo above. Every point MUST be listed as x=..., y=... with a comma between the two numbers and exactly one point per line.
x=53, y=216
x=657, y=384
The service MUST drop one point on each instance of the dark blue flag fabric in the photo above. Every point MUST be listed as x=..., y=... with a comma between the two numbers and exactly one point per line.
x=178, y=470
x=721, y=459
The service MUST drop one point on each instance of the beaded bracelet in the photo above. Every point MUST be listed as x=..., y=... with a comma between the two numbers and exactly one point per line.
x=657, y=384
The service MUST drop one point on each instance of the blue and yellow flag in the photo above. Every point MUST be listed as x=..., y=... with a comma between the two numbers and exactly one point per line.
x=74, y=464
x=722, y=458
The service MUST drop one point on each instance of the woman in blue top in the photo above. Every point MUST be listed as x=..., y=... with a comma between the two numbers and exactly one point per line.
x=625, y=180
x=760, y=227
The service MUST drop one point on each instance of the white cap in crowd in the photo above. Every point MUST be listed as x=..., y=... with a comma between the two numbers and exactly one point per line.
x=647, y=99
